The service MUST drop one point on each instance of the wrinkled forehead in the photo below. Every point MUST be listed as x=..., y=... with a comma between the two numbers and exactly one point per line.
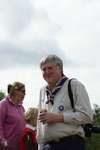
x=48, y=65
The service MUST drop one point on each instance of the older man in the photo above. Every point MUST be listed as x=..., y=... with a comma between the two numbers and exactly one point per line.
x=59, y=126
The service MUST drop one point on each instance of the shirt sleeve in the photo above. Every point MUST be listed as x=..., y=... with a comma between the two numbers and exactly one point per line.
x=83, y=112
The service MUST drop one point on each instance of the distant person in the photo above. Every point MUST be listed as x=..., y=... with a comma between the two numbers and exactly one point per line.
x=59, y=127
x=28, y=141
x=12, y=117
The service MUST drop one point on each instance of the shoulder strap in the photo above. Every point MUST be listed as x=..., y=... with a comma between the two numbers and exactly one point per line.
x=70, y=93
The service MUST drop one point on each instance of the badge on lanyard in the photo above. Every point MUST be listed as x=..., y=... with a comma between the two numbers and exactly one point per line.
x=61, y=107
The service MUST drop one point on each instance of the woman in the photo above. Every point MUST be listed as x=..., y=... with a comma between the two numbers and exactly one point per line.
x=12, y=118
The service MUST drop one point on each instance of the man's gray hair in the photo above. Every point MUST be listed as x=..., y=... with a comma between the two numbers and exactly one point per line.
x=52, y=59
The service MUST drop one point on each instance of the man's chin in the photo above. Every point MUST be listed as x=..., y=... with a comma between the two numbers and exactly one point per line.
x=51, y=84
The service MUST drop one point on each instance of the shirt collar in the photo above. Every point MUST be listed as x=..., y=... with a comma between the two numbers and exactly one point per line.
x=10, y=100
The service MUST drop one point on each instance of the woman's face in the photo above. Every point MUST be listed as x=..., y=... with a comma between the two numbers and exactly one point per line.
x=19, y=95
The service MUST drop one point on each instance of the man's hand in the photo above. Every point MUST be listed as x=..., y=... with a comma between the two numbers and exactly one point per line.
x=48, y=117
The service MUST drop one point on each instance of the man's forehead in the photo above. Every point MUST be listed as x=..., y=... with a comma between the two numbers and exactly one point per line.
x=48, y=64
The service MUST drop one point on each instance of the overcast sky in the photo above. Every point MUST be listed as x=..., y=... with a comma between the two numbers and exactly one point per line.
x=30, y=29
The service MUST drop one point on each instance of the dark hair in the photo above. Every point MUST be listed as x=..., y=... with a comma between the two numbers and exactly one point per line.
x=9, y=88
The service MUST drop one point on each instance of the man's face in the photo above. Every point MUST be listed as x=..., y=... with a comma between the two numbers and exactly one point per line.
x=51, y=73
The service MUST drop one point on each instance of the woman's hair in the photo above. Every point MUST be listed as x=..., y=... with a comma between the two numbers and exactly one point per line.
x=52, y=59
x=31, y=115
x=15, y=86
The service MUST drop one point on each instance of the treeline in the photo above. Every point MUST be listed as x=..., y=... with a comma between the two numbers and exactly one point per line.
x=2, y=95
x=93, y=142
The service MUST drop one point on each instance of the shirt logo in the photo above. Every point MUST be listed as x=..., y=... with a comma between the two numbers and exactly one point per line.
x=61, y=107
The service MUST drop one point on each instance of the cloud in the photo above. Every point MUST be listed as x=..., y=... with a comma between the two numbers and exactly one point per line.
x=78, y=29
x=15, y=15
x=35, y=28
x=30, y=29
x=12, y=56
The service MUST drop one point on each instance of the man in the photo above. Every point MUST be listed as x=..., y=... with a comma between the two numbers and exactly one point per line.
x=59, y=127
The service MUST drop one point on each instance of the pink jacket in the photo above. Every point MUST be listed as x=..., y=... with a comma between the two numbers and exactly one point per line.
x=12, y=123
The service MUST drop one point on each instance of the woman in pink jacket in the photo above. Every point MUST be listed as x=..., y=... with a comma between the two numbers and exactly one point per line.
x=12, y=118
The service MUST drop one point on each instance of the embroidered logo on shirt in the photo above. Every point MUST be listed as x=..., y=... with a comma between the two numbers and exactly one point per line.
x=61, y=107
